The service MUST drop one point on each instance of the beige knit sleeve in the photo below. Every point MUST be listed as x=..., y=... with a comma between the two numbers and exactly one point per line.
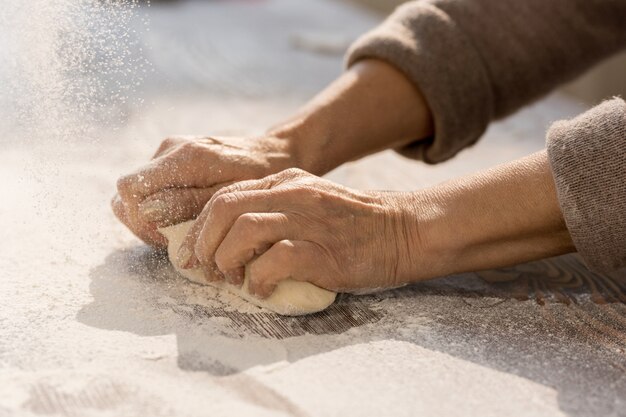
x=478, y=60
x=588, y=159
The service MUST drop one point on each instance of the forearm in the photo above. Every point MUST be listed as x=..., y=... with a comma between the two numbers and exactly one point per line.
x=480, y=60
x=504, y=216
x=370, y=107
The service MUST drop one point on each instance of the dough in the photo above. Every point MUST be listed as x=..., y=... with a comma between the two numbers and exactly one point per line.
x=290, y=298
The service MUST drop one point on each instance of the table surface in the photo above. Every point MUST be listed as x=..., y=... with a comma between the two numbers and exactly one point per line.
x=94, y=323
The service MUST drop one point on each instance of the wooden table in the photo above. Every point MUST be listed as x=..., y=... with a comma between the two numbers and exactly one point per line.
x=94, y=323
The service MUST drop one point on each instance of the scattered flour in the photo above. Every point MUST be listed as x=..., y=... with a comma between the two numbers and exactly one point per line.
x=71, y=72
x=69, y=66
x=93, y=328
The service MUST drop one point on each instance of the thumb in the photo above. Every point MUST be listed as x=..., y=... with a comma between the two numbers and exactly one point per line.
x=175, y=205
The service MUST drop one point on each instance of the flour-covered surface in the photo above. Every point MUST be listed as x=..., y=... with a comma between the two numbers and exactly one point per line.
x=95, y=324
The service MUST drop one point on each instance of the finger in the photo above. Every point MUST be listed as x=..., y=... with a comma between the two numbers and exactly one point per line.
x=224, y=209
x=265, y=183
x=223, y=202
x=167, y=145
x=177, y=169
x=158, y=174
x=251, y=235
x=145, y=231
x=186, y=253
x=299, y=260
x=186, y=257
x=151, y=236
x=118, y=208
x=175, y=205
x=246, y=185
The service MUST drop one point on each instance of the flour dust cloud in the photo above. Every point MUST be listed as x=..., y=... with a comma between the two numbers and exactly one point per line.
x=68, y=66
x=70, y=75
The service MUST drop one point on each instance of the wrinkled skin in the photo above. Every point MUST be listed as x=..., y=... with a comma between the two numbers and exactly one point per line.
x=184, y=174
x=293, y=224
x=296, y=225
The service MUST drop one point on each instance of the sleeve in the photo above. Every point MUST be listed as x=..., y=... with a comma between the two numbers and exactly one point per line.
x=479, y=60
x=588, y=159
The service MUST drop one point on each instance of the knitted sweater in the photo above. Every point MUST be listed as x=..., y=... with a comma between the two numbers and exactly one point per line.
x=479, y=60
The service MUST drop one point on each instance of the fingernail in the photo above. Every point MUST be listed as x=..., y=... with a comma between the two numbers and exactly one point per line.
x=217, y=272
x=256, y=294
x=208, y=274
x=234, y=277
x=183, y=256
x=192, y=263
x=212, y=274
x=253, y=290
x=154, y=210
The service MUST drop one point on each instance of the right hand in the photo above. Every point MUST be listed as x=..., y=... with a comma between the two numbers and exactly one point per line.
x=184, y=174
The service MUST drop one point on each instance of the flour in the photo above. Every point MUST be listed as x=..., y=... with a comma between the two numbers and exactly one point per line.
x=94, y=323
x=210, y=297
x=69, y=66
x=71, y=71
x=290, y=297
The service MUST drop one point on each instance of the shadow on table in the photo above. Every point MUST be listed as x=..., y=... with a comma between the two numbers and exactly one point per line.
x=533, y=320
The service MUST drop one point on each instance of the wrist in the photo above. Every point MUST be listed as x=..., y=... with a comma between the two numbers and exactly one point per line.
x=497, y=218
x=308, y=144
x=421, y=250
x=371, y=107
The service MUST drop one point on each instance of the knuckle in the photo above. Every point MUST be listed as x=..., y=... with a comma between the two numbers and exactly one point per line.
x=228, y=189
x=124, y=184
x=286, y=176
x=167, y=143
x=298, y=192
x=202, y=253
x=249, y=222
x=230, y=258
x=175, y=140
x=218, y=193
x=302, y=190
x=257, y=273
x=188, y=145
x=182, y=150
x=223, y=205
x=196, y=200
x=186, y=150
x=118, y=209
x=283, y=251
x=224, y=202
x=222, y=260
x=294, y=172
x=116, y=201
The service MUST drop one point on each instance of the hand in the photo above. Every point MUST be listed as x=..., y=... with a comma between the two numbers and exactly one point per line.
x=342, y=123
x=185, y=173
x=296, y=225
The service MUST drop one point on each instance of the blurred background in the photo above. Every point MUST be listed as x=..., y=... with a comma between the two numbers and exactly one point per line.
x=105, y=81
x=76, y=66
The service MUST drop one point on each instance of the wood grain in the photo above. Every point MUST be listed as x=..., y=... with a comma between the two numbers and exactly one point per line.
x=346, y=313
x=561, y=279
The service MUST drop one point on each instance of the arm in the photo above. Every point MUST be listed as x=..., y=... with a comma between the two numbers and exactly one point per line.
x=295, y=225
x=370, y=107
x=479, y=60
x=501, y=217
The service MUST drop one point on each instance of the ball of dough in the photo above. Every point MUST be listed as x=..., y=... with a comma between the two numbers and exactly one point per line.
x=290, y=298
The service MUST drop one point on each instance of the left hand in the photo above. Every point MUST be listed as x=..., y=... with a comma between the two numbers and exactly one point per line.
x=296, y=225
x=184, y=174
